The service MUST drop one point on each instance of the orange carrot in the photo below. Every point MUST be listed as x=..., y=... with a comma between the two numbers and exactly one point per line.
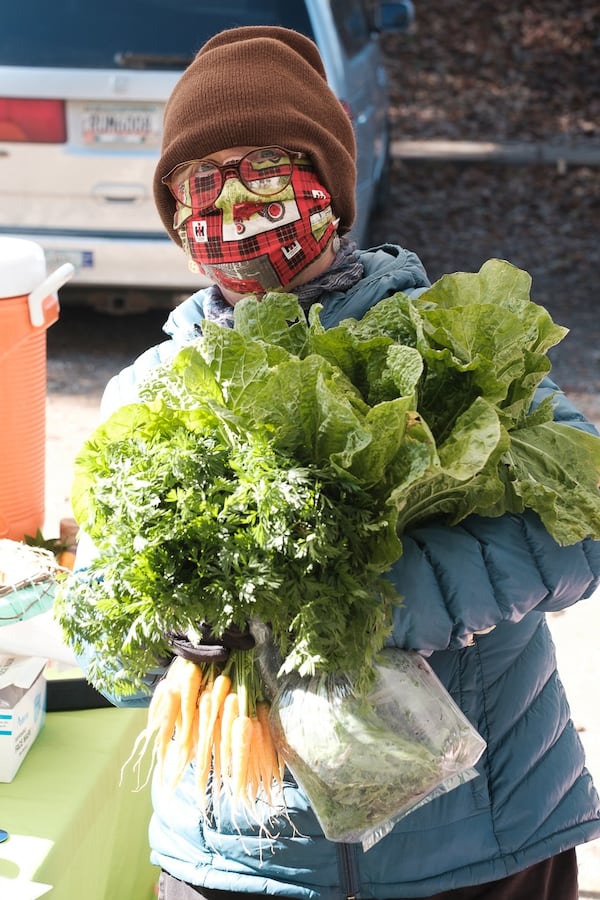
x=203, y=752
x=189, y=682
x=276, y=762
x=171, y=710
x=241, y=740
x=231, y=710
x=217, y=774
x=256, y=760
x=156, y=705
x=220, y=689
x=269, y=763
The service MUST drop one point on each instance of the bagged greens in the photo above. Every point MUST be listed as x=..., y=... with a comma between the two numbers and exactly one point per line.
x=367, y=761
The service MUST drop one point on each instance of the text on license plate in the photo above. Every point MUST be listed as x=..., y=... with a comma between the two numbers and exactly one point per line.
x=112, y=124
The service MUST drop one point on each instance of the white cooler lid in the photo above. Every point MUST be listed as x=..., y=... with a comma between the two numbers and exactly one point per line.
x=22, y=266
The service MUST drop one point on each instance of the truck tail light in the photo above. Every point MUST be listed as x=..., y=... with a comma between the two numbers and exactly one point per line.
x=33, y=121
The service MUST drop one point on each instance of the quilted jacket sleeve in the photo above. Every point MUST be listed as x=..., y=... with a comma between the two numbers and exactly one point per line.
x=458, y=580
x=182, y=328
x=124, y=387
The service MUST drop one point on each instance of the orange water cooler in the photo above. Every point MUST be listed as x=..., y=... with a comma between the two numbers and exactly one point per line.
x=28, y=306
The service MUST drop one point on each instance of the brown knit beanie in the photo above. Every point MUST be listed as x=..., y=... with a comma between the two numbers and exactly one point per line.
x=259, y=86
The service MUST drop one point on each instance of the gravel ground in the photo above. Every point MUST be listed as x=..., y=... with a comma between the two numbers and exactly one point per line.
x=491, y=70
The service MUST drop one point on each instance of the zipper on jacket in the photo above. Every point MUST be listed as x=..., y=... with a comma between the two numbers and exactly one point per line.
x=349, y=872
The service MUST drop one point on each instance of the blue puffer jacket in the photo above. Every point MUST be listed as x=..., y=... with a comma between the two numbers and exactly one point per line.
x=533, y=796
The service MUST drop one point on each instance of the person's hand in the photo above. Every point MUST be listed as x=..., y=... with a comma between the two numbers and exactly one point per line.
x=204, y=647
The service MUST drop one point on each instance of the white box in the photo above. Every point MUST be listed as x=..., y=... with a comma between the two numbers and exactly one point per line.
x=22, y=710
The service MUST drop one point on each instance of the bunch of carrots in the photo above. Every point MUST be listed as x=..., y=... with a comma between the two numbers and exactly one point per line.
x=216, y=717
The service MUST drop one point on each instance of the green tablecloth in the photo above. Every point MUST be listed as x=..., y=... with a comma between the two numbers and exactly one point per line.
x=75, y=832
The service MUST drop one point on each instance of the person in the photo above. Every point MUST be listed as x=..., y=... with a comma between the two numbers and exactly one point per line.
x=256, y=183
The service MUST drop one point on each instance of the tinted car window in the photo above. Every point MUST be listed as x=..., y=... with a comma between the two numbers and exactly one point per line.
x=352, y=23
x=111, y=34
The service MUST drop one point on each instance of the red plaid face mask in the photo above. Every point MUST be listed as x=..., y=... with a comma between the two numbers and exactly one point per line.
x=249, y=244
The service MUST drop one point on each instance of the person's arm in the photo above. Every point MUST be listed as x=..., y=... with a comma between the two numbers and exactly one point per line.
x=182, y=327
x=458, y=580
x=124, y=387
x=565, y=411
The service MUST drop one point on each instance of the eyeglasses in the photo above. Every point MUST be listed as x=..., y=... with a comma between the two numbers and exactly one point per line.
x=264, y=172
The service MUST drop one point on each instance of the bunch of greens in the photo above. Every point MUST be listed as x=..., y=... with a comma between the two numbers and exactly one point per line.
x=271, y=469
x=198, y=520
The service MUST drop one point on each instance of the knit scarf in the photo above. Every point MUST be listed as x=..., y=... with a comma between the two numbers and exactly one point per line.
x=342, y=274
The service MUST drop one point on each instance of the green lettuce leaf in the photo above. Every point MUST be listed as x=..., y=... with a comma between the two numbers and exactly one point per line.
x=554, y=469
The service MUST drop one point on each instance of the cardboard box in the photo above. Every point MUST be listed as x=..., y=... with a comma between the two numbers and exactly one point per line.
x=22, y=710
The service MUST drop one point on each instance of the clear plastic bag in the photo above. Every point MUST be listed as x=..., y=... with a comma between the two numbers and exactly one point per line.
x=364, y=763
